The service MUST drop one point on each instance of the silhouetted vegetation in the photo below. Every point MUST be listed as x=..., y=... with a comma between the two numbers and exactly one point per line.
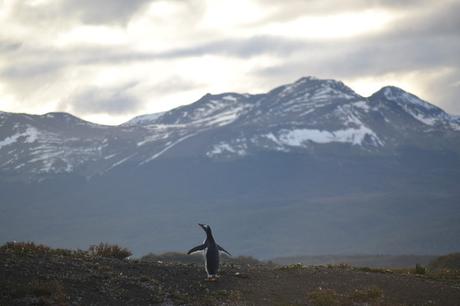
x=449, y=261
x=32, y=248
x=323, y=297
x=109, y=250
x=102, y=250
x=419, y=269
x=366, y=295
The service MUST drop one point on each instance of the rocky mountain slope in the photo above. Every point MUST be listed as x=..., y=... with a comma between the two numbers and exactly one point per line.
x=309, y=167
x=290, y=118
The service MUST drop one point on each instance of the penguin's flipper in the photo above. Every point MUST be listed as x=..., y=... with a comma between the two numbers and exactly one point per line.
x=223, y=250
x=197, y=248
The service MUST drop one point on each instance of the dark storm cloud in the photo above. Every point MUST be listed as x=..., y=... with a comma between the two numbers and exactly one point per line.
x=95, y=100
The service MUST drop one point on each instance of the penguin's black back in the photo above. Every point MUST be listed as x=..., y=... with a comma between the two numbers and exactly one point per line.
x=212, y=258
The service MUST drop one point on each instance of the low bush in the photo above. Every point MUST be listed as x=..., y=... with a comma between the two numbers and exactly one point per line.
x=24, y=248
x=323, y=297
x=419, y=269
x=366, y=295
x=449, y=261
x=109, y=250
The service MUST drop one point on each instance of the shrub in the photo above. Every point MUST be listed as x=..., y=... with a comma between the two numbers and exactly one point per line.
x=297, y=266
x=449, y=261
x=419, y=269
x=24, y=248
x=21, y=248
x=373, y=270
x=323, y=297
x=341, y=266
x=109, y=250
x=366, y=295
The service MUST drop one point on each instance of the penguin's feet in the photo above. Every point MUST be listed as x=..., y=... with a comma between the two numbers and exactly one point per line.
x=212, y=278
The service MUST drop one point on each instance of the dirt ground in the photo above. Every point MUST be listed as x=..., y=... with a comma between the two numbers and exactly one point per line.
x=45, y=279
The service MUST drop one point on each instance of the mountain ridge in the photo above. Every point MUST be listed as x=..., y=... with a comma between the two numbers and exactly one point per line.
x=294, y=116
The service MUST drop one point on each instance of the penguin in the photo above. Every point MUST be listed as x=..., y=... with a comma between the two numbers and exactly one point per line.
x=210, y=251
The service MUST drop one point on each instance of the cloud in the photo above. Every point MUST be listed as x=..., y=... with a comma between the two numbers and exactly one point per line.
x=291, y=9
x=7, y=46
x=173, y=84
x=422, y=43
x=244, y=48
x=96, y=100
x=84, y=11
x=119, y=57
x=103, y=11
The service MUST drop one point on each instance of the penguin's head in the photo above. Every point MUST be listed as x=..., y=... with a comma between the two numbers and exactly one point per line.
x=205, y=228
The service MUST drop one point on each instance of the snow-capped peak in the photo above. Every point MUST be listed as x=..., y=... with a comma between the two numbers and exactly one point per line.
x=422, y=111
x=210, y=110
x=311, y=87
x=396, y=94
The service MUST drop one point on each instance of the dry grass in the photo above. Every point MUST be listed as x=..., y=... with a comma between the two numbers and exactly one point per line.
x=366, y=295
x=323, y=297
x=109, y=250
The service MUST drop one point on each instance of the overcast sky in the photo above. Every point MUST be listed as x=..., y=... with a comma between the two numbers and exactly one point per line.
x=109, y=60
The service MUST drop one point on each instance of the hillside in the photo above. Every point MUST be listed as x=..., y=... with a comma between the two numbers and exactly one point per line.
x=61, y=277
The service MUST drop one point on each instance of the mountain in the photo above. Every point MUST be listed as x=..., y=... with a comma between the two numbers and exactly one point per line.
x=307, y=168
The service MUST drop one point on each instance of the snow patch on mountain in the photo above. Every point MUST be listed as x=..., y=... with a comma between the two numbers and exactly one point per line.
x=326, y=93
x=319, y=90
x=30, y=135
x=220, y=119
x=121, y=161
x=363, y=105
x=454, y=122
x=42, y=151
x=300, y=137
x=169, y=145
x=230, y=98
x=238, y=148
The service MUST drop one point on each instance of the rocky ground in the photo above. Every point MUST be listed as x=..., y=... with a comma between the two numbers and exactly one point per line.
x=52, y=278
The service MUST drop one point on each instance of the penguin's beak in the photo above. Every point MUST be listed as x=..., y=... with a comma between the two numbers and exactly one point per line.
x=202, y=226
